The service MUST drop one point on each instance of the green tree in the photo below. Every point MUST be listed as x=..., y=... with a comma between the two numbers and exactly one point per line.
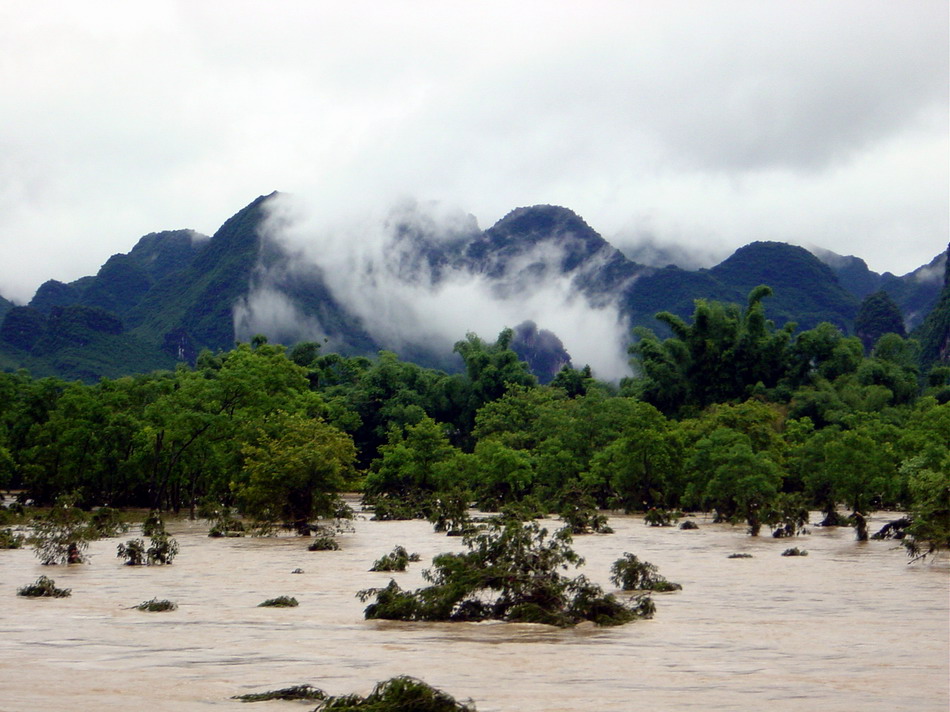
x=294, y=471
x=878, y=315
x=722, y=355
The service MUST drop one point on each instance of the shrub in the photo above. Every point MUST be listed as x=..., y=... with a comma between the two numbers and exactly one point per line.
x=133, y=551
x=661, y=517
x=739, y=556
x=631, y=574
x=44, y=587
x=324, y=543
x=162, y=550
x=10, y=540
x=512, y=573
x=107, y=522
x=794, y=551
x=398, y=694
x=397, y=560
x=279, y=602
x=689, y=524
x=63, y=534
x=156, y=605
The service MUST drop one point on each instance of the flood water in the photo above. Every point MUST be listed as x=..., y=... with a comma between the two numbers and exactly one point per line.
x=851, y=626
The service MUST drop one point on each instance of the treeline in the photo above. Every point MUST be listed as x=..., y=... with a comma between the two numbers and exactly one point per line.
x=729, y=415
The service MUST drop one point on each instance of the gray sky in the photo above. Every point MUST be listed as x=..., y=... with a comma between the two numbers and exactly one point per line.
x=706, y=124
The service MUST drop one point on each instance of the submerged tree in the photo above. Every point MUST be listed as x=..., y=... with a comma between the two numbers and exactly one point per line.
x=510, y=572
x=63, y=534
x=295, y=471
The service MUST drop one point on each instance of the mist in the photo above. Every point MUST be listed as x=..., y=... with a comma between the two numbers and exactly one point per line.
x=393, y=269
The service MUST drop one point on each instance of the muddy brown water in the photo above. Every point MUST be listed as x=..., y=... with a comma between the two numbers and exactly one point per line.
x=851, y=626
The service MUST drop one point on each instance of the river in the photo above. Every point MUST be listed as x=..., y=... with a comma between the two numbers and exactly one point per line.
x=851, y=626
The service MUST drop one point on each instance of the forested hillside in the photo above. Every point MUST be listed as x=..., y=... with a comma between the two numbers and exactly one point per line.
x=731, y=415
x=179, y=292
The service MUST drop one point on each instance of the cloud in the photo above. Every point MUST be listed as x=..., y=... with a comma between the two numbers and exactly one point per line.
x=817, y=122
x=404, y=303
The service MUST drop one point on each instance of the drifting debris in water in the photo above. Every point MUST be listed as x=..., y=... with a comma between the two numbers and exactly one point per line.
x=795, y=551
x=739, y=556
x=44, y=587
x=398, y=694
x=279, y=602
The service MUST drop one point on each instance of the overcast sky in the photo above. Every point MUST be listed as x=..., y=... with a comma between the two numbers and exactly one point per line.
x=709, y=124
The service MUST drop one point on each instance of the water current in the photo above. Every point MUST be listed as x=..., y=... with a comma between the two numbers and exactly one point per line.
x=849, y=627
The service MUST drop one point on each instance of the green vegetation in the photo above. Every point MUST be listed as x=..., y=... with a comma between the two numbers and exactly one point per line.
x=279, y=602
x=397, y=560
x=398, y=694
x=729, y=415
x=511, y=572
x=43, y=587
x=157, y=606
x=10, y=539
x=631, y=574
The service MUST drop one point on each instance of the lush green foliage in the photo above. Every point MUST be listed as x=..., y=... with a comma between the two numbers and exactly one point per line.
x=729, y=415
x=631, y=574
x=279, y=602
x=398, y=694
x=510, y=572
x=156, y=605
x=43, y=587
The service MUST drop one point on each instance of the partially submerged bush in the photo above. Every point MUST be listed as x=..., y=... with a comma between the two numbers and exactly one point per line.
x=449, y=514
x=397, y=560
x=631, y=574
x=226, y=525
x=156, y=605
x=795, y=551
x=787, y=515
x=133, y=551
x=398, y=694
x=107, y=522
x=689, y=524
x=397, y=507
x=661, y=517
x=739, y=556
x=297, y=692
x=62, y=534
x=279, y=602
x=511, y=572
x=153, y=524
x=324, y=543
x=44, y=587
x=10, y=540
x=584, y=519
x=162, y=550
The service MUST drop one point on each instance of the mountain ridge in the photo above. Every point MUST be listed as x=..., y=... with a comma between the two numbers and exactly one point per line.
x=177, y=292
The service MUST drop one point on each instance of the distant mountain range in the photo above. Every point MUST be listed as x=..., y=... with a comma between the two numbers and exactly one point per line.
x=178, y=292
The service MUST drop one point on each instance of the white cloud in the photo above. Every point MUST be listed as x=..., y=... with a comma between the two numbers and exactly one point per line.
x=808, y=121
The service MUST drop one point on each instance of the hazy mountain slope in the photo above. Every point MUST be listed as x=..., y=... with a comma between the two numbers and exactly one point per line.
x=934, y=332
x=915, y=293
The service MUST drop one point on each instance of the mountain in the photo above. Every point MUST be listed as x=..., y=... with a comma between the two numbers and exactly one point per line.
x=177, y=292
x=934, y=332
x=915, y=293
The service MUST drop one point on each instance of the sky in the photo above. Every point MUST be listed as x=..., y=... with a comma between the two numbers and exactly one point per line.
x=701, y=125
